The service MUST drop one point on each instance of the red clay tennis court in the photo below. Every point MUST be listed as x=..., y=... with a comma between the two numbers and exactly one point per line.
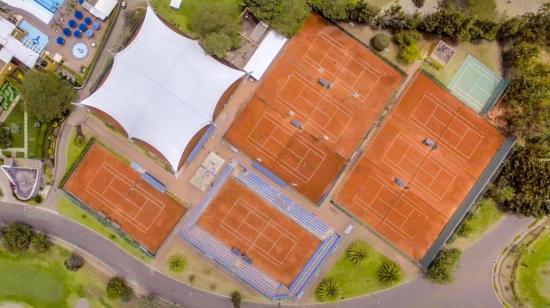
x=304, y=131
x=419, y=167
x=109, y=186
x=241, y=219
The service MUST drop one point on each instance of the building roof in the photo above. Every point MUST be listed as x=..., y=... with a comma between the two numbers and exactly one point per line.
x=265, y=54
x=163, y=88
x=13, y=48
x=102, y=8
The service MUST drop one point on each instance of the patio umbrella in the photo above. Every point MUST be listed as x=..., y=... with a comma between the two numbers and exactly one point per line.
x=82, y=27
x=90, y=33
x=67, y=32
x=88, y=20
x=72, y=23
x=96, y=25
x=60, y=40
x=80, y=1
x=77, y=34
x=78, y=14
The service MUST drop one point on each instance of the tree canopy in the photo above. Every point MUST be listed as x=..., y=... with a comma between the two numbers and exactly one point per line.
x=17, y=237
x=217, y=25
x=118, y=289
x=5, y=137
x=285, y=16
x=46, y=95
x=525, y=179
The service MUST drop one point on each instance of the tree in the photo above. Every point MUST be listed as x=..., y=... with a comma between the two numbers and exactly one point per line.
x=236, y=299
x=177, y=263
x=407, y=41
x=483, y=29
x=46, y=95
x=510, y=28
x=527, y=99
x=337, y=10
x=442, y=270
x=217, y=44
x=117, y=288
x=152, y=301
x=381, y=41
x=17, y=237
x=527, y=174
x=449, y=23
x=41, y=243
x=328, y=290
x=396, y=20
x=217, y=25
x=389, y=273
x=74, y=262
x=358, y=253
x=363, y=12
x=5, y=137
x=285, y=16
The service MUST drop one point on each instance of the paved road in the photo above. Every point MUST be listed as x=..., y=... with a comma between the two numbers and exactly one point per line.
x=103, y=249
x=472, y=288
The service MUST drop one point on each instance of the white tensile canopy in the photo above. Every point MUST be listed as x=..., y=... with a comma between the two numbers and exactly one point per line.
x=265, y=54
x=163, y=88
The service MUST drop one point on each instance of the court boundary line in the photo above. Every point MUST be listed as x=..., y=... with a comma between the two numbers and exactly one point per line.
x=101, y=198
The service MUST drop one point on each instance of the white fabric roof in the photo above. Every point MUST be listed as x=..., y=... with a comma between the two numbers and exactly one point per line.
x=175, y=4
x=163, y=88
x=263, y=56
x=12, y=47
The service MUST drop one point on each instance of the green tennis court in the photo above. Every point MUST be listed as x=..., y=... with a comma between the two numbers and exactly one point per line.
x=477, y=85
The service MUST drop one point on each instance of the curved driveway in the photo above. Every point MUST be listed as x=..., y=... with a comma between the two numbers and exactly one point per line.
x=472, y=288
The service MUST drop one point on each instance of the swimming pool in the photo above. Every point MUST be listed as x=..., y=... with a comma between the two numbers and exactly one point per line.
x=50, y=5
x=35, y=39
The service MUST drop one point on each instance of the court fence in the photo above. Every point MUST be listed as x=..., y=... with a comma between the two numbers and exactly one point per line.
x=104, y=220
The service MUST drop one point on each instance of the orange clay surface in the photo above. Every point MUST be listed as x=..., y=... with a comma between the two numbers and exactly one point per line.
x=277, y=245
x=108, y=185
x=438, y=180
x=333, y=121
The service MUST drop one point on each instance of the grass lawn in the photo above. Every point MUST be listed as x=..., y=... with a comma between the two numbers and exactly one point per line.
x=41, y=280
x=68, y=209
x=485, y=9
x=486, y=52
x=180, y=18
x=37, y=136
x=359, y=280
x=73, y=150
x=533, y=273
x=17, y=117
x=486, y=215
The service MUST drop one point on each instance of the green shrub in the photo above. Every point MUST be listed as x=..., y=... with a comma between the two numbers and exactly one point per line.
x=407, y=41
x=285, y=16
x=328, y=290
x=16, y=237
x=363, y=13
x=38, y=198
x=358, y=253
x=177, y=263
x=118, y=289
x=418, y=3
x=236, y=299
x=442, y=270
x=191, y=278
x=41, y=243
x=337, y=10
x=380, y=42
x=389, y=273
x=74, y=262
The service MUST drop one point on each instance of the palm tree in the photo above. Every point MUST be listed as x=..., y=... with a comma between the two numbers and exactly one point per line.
x=389, y=273
x=358, y=253
x=328, y=290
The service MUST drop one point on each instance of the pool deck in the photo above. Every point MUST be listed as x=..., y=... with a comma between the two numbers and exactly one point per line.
x=54, y=30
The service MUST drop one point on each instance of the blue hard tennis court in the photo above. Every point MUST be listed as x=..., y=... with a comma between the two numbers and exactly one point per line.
x=477, y=85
